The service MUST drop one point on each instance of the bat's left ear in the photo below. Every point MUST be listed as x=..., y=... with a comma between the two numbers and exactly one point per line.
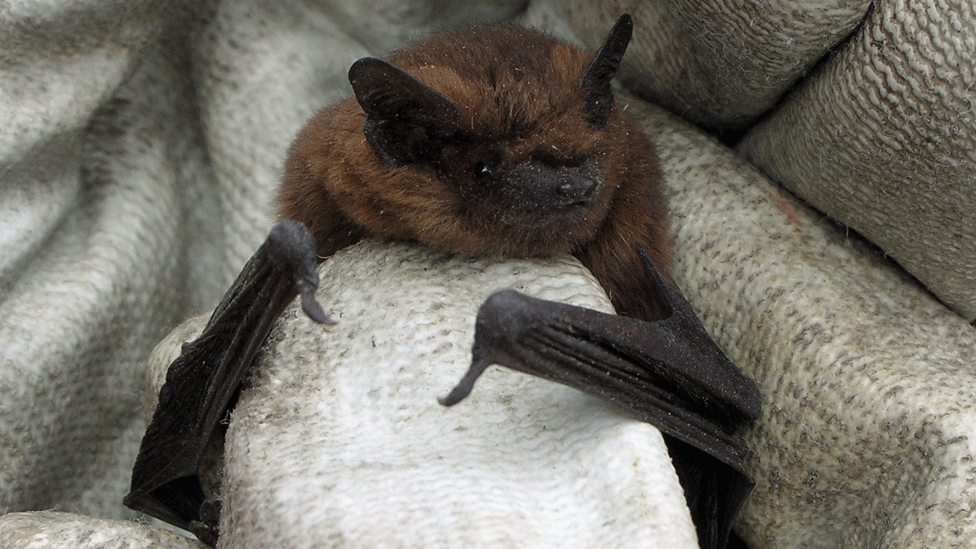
x=595, y=81
x=402, y=113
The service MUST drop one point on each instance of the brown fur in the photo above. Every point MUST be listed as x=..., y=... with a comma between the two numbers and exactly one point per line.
x=518, y=94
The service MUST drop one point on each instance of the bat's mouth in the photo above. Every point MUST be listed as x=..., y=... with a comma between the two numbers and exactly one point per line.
x=543, y=232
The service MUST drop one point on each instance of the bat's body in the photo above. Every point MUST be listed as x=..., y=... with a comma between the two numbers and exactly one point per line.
x=498, y=141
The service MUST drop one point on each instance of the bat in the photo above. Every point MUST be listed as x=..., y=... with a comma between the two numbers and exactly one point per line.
x=487, y=141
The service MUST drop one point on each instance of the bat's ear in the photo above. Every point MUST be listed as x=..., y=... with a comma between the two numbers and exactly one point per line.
x=402, y=113
x=595, y=81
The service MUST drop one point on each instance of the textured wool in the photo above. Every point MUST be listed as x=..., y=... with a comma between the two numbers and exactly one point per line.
x=883, y=138
x=51, y=530
x=868, y=381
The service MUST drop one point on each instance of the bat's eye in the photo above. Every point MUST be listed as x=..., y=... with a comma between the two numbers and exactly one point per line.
x=482, y=170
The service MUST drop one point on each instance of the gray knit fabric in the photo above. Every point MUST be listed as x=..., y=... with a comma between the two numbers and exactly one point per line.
x=98, y=158
x=883, y=138
x=868, y=382
x=51, y=530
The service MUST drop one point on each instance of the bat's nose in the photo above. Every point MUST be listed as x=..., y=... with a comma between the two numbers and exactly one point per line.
x=577, y=188
x=544, y=185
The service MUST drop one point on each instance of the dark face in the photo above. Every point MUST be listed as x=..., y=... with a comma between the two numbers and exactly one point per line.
x=536, y=198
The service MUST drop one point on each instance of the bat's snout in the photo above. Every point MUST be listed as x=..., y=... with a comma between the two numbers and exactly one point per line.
x=577, y=189
x=547, y=186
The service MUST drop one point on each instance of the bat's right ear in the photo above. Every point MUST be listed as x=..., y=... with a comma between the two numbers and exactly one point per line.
x=402, y=113
x=595, y=81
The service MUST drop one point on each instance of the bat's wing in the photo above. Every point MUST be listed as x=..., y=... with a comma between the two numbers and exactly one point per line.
x=203, y=382
x=667, y=372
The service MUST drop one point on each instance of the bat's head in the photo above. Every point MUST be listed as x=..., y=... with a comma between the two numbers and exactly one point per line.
x=497, y=140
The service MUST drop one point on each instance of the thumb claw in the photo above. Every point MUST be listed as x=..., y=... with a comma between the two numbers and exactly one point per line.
x=464, y=387
x=312, y=307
